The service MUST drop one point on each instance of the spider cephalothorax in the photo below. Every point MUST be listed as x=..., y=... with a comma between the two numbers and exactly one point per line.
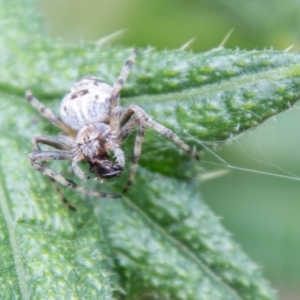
x=92, y=144
x=94, y=126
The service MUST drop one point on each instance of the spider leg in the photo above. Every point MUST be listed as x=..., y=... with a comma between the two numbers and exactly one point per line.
x=67, y=140
x=76, y=157
x=44, y=156
x=61, y=155
x=127, y=124
x=126, y=130
x=115, y=109
x=48, y=114
x=123, y=76
x=144, y=118
x=171, y=135
x=63, y=199
x=136, y=155
x=59, y=144
x=50, y=141
x=115, y=117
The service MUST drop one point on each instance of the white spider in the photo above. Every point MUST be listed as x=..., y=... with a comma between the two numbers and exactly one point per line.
x=93, y=124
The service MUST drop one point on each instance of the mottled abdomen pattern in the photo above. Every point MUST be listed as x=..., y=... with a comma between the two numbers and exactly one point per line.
x=87, y=102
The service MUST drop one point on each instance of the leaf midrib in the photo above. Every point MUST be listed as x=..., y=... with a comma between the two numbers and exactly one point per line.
x=227, y=84
x=183, y=248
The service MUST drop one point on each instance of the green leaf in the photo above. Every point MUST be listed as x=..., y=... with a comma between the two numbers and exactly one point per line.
x=159, y=241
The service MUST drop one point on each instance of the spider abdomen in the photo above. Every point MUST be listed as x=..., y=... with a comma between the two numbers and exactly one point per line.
x=87, y=102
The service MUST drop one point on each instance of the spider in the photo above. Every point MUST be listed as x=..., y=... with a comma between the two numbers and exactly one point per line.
x=93, y=124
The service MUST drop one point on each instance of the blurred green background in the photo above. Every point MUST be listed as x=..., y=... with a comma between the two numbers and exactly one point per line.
x=262, y=211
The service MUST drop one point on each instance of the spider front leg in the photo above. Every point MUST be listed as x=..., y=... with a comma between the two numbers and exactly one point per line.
x=142, y=117
x=127, y=124
x=58, y=144
x=43, y=156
